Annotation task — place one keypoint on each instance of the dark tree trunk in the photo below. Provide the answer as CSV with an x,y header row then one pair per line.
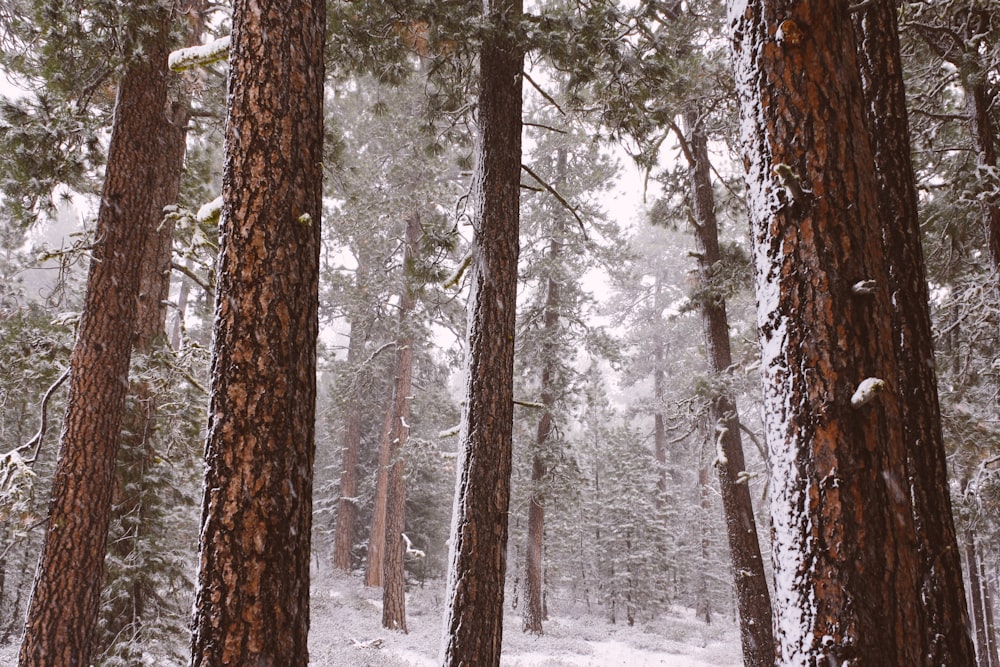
x,y
393,572
847,569
252,603
347,508
474,616
64,603
534,612
940,566
750,583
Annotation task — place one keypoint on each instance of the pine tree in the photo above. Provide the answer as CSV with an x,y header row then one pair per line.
x,y
64,603
252,603
474,615
841,513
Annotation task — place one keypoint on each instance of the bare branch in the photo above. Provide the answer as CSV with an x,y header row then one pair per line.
x,y
562,200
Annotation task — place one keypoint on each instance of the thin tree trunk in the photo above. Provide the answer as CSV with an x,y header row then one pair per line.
x,y
753,599
976,595
940,567
847,569
347,508
988,625
393,572
474,615
703,601
531,620
252,601
64,602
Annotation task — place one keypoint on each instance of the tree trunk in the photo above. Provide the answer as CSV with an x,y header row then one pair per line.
x,y
977,105
990,628
703,600
847,570
393,572
753,599
531,620
976,595
252,602
474,616
940,568
347,507
376,539
64,603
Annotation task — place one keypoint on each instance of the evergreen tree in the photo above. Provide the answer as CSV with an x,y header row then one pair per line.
x,y
474,614
252,601
67,584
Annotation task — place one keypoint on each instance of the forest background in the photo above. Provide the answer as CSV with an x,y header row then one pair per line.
x,y
615,502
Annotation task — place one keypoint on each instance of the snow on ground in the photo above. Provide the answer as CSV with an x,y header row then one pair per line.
x,y
346,627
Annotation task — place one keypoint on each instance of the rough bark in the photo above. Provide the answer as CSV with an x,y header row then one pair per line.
x,y
752,597
474,616
940,567
988,625
64,602
393,572
347,508
376,540
252,602
847,570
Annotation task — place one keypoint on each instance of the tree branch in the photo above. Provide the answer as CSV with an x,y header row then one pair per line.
x,y
36,441
562,200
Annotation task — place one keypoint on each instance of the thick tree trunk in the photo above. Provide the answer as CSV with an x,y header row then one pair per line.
x,y
64,602
847,569
376,540
750,583
474,616
252,602
347,508
393,572
940,566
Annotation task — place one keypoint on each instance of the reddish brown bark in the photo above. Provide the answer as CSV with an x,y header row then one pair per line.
x,y
64,603
393,572
376,539
940,568
474,617
252,603
752,597
847,569
347,508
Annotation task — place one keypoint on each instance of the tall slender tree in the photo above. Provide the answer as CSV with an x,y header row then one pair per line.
x,y
252,605
393,573
847,569
752,597
64,603
474,617
940,567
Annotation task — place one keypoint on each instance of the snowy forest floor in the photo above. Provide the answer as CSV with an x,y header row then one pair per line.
x,y
346,623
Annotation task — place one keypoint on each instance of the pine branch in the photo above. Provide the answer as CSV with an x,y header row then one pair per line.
x,y
36,441
193,276
548,98
562,200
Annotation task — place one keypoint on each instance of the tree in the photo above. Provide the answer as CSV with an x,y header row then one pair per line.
x,y
64,603
393,575
846,567
474,615
940,568
252,604
753,599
